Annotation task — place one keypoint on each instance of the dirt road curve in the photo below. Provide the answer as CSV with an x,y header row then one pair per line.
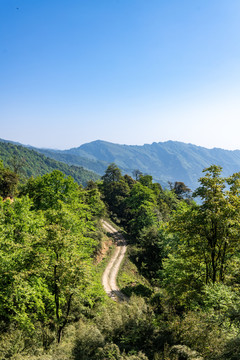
x,y
110,273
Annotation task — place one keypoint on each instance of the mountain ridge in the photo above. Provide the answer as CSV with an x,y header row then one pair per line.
x,y
165,161
34,163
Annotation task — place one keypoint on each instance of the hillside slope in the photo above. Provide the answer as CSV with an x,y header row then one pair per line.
x,y
32,163
69,158
165,161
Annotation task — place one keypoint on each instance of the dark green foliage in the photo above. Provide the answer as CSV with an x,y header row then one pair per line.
x,y
93,200
8,182
115,189
70,158
146,180
182,352
29,163
231,350
112,174
141,204
152,242
88,340
129,181
109,351
181,190
125,331
138,290
136,204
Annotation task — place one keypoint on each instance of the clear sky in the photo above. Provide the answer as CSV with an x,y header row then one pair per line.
x,y
125,71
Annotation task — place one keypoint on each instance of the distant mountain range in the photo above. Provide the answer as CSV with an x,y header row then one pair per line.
x,y
165,161
33,163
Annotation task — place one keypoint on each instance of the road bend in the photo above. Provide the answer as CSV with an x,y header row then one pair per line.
x,y
109,278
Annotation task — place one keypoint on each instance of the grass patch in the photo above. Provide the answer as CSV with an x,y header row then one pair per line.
x,y
131,282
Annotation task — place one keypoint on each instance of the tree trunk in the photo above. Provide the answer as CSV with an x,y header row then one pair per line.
x,y
60,329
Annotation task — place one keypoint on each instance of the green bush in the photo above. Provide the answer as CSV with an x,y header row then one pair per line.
x,y
88,340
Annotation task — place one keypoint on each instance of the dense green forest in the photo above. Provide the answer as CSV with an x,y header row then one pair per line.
x,y
181,274
28,162
70,158
164,161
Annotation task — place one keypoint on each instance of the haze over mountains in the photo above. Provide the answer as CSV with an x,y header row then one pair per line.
x,y
165,161
29,162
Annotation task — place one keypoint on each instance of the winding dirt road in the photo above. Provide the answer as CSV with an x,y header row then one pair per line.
x,y
111,271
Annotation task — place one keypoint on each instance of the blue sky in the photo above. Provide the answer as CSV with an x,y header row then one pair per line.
x,y
125,71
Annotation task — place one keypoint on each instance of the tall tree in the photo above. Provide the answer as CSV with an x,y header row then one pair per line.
x,y
181,190
8,182
46,251
116,189
46,191
67,253
142,208
213,228
112,174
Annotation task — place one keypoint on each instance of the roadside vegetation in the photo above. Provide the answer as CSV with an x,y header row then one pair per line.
x,y
181,274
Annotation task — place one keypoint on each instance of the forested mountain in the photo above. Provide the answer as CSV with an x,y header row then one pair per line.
x,y
74,159
29,162
165,161
180,273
